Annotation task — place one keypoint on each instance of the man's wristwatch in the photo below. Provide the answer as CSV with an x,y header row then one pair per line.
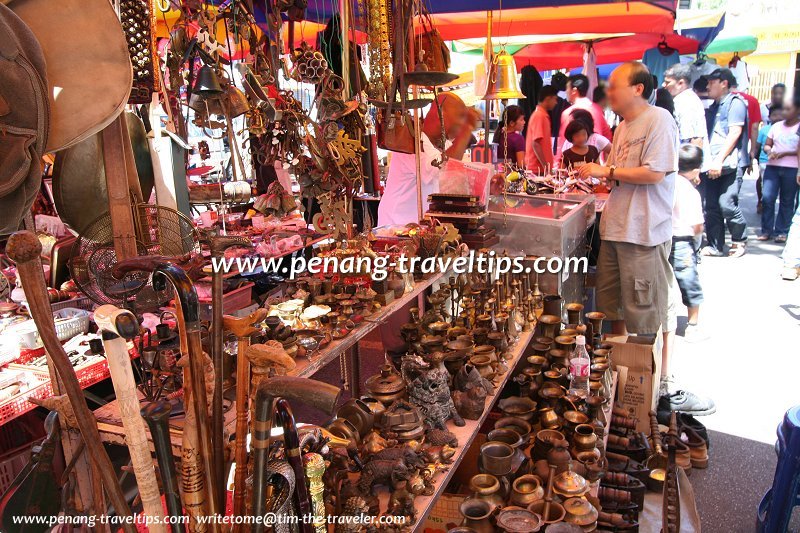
x,y
611,171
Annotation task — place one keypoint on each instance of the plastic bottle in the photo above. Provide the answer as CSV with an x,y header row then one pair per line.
x,y
579,365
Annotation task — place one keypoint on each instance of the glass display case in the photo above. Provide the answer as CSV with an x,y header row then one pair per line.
x,y
545,226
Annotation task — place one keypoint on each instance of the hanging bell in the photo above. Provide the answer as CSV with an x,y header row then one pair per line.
x,y
236,103
207,83
502,83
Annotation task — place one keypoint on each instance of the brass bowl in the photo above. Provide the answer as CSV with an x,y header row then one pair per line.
x,y
537,362
522,427
520,407
575,417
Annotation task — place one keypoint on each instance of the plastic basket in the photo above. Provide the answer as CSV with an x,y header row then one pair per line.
x,y
13,465
87,374
81,302
19,404
73,322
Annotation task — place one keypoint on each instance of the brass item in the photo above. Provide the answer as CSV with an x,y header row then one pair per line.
x,y
519,407
514,520
486,487
526,489
387,386
570,484
550,325
574,313
502,82
579,511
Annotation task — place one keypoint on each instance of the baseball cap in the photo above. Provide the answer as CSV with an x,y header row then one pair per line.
x,y
724,74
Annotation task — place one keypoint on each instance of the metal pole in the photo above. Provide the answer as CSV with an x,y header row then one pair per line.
x,y
488,55
417,121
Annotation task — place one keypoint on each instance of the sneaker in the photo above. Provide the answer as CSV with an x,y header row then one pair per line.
x,y
790,274
710,251
688,402
694,334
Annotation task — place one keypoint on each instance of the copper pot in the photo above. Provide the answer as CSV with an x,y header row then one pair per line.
x,y
550,325
554,514
484,365
477,515
519,407
540,349
522,427
537,362
574,313
566,343
480,335
549,419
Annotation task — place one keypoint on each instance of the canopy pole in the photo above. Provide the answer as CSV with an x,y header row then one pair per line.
x,y
488,55
417,122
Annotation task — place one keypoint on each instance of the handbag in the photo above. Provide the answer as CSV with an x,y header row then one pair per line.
x,y
396,129
430,48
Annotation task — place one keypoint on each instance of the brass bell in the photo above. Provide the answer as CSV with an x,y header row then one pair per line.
x,y
207,83
502,82
236,103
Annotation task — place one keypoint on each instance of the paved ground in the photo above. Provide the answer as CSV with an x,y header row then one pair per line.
x,y
750,367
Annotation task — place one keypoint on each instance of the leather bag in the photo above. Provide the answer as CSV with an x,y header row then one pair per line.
x,y
88,67
24,119
430,49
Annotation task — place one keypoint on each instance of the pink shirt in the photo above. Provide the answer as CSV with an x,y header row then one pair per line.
x,y
784,139
600,124
539,133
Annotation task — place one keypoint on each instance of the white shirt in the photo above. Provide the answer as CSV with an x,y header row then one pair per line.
x,y
642,214
687,211
595,139
691,118
399,202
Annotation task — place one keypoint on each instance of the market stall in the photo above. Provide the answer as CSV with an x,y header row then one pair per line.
x,y
192,270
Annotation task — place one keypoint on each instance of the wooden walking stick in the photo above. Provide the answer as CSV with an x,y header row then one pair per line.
x,y
272,397
189,329
218,246
157,417
242,329
24,249
116,326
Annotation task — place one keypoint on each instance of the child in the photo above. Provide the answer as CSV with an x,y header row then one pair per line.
x,y
581,152
687,226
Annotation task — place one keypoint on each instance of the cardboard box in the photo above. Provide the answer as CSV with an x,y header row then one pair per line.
x,y
445,514
638,363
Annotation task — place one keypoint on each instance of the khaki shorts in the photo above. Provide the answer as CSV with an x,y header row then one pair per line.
x,y
633,284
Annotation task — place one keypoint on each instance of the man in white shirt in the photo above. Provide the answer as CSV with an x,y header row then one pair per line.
x,y
689,111
399,201
633,270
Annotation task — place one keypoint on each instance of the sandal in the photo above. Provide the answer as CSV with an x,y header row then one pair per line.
x,y
737,249
763,237
780,239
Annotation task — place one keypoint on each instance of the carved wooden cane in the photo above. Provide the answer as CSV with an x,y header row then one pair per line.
x,y
117,325
272,397
157,417
218,246
242,328
189,329
24,248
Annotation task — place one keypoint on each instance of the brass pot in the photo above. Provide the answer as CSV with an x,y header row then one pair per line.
x,y
548,341
584,438
480,335
555,513
526,489
486,350
550,325
486,487
566,343
549,419
540,349
537,362
579,512
484,365
574,313
496,458
477,513
516,520
552,305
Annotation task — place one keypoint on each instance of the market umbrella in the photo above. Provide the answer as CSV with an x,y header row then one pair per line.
x,y
702,26
566,51
723,49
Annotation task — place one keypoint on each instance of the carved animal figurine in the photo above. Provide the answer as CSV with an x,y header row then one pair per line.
x,y
439,454
412,366
374,443
272,355
354,506
430,393
471,402
402,502
382,472
404,453
440,437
